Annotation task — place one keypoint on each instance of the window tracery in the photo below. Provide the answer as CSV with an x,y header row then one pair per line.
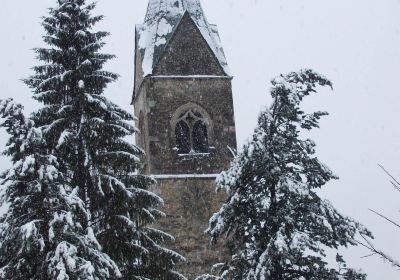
x,y
191,133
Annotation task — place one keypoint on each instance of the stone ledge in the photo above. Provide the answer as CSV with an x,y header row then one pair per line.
x,y
185,176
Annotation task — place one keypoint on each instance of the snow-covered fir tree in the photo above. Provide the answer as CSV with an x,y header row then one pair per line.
x,y
41,234
78,160
279,226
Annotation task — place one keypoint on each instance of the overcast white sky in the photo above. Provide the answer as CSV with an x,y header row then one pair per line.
x,y
356,43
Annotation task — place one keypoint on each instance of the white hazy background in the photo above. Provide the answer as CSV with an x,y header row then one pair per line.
x,y
354,43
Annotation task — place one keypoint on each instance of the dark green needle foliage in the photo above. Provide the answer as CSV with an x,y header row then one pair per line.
x,y
280,227
41,233
84,136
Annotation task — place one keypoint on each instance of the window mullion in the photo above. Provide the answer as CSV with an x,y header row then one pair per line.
x,y
191,138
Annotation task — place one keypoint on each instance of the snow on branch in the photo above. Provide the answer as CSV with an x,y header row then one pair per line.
x,y
368,244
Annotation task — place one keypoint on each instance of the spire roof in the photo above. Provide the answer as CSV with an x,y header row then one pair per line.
x,y
169,9
161,21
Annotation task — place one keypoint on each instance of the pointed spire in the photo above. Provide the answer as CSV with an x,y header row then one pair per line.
x,y
162,18
169,9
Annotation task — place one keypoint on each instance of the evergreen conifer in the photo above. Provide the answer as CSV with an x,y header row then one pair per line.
x,y
280,227
94,193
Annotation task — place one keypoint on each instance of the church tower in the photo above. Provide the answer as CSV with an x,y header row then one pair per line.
x,y
183,103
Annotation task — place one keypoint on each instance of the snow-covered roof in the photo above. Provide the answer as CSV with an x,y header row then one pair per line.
x,y
162,19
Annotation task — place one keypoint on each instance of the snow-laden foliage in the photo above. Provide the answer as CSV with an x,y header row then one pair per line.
x,y
41,237
278,224
16,125
86,214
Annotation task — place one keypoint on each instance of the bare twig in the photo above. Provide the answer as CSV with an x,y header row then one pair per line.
x,y
375,251
396,186
367,256
386,218
367,244
394,181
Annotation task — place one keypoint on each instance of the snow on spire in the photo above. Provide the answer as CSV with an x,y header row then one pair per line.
x,y
162,18
171,8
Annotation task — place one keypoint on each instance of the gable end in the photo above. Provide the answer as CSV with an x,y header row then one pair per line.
x,y
188,53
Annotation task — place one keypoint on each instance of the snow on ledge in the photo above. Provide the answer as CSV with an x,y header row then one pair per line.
x,y
185,176
190,77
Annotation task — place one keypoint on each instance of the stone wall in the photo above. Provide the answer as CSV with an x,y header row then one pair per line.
x,y
187,75
188,205
160,98
188,53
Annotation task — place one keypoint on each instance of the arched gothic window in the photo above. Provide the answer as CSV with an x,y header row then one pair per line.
x,y
191,133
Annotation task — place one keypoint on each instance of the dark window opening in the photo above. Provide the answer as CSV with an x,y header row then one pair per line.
x,y
141,135
182,132
191,133
200,137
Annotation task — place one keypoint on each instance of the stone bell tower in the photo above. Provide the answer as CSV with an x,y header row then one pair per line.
x,y
183,103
